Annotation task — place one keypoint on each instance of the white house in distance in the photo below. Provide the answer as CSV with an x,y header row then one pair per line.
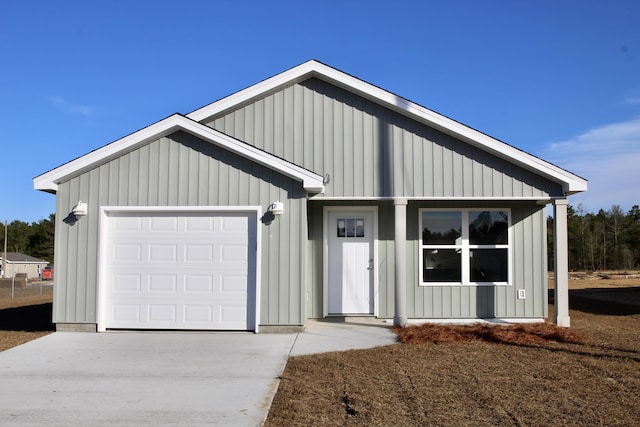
x,y
307,195
20,263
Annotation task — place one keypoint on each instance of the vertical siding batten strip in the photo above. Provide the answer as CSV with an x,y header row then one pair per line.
x,y
93,204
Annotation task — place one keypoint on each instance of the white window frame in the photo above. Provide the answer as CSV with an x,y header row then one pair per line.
x,y
465,247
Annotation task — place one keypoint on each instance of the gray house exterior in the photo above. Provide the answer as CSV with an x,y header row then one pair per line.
x,y
310,194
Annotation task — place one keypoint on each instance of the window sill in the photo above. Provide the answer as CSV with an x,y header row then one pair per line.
x,y
459,285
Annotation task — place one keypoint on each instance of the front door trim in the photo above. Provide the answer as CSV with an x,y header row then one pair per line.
x,y
325,252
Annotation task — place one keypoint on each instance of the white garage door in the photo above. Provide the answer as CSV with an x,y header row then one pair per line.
x,y
180,270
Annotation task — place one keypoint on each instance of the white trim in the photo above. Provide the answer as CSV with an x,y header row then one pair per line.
x,y
571,182
325,252
49,181
180,209
545,200
102,247
301,72
465,248
101,292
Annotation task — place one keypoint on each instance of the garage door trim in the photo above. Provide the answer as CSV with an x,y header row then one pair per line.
x,y
105,212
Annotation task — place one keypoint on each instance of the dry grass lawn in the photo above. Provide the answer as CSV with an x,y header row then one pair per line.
x,y
443,376
26,316
589,375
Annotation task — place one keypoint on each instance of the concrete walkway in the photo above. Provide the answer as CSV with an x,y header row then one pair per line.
x,y
160,378
341,334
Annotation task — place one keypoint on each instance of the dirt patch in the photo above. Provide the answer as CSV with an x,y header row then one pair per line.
x,y
32,294
534,378
26,316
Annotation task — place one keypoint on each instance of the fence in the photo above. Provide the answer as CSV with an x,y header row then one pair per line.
x,y
15,290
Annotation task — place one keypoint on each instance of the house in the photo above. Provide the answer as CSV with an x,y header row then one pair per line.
x,y
17,263
309,194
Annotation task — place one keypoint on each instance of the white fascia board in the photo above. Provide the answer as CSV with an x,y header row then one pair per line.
x,y
538,199
299,73
49,180
571,183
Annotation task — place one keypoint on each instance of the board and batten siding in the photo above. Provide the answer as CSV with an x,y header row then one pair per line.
x,y
372,151
528,263
181,170
528,260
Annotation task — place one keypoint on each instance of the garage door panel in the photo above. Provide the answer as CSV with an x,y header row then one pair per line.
x,y
162,313
198,313
163,283
199,225
233,253
233,284
231,224
159,224
163,253
179,271
127,252
198,253
166,316
126,224
232,314
126,283
231,281
125,313
198,283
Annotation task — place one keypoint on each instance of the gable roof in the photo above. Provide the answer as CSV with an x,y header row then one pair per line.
x,y
49,181
570,182
311,182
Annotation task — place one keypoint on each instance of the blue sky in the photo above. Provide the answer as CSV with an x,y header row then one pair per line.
x,y
558,79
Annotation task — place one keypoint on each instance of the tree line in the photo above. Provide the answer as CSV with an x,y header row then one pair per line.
x,y
35,239
607,240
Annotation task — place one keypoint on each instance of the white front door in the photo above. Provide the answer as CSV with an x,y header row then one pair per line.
x,y
350,240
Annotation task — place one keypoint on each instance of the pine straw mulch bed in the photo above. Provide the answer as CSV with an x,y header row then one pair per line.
x,y
474,376
521,334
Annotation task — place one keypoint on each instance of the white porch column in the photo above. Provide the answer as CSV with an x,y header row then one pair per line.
x,y
400,263
561,263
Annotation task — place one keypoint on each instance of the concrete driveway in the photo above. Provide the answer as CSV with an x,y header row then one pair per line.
x,y
144,378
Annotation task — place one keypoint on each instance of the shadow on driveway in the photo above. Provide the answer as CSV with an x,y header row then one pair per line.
x,y
32,318
607,301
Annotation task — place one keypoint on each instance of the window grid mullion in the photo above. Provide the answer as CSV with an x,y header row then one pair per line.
x,y
465,262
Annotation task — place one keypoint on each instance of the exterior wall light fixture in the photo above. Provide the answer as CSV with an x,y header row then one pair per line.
x,y
276,208
80,209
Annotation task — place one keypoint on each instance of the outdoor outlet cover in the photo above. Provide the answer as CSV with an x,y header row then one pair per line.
x,y
521,294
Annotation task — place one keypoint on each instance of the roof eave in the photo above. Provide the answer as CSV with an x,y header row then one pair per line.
x,y
571,183
49,181
578,185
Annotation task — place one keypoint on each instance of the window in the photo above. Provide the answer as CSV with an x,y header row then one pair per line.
x,y
465,247
350,227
